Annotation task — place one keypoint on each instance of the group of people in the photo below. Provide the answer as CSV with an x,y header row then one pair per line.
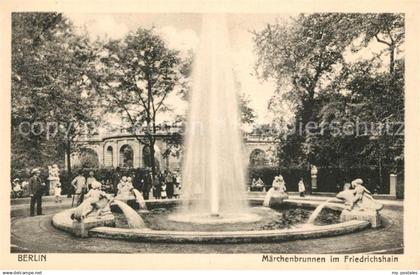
x,y
166,185
35,188
258,185
19,188
162,186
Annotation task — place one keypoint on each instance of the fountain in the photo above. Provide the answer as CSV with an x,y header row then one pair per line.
x,y
213,172
214,206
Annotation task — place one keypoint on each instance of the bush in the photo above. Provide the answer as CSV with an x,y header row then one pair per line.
x,y
333,179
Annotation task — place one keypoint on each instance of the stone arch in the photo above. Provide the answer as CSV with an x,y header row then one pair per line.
x,y
126,156
258,157
109,156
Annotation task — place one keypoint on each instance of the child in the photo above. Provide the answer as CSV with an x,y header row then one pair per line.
x,y
17,189
176,190
301,188
57,192
163,194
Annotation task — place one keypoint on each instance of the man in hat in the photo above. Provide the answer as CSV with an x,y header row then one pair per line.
x,y
36,190
116,178
148,182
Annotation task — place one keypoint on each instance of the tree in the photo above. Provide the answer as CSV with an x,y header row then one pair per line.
x,y
300,56
387,29
137,75
50,88
247,113
306,58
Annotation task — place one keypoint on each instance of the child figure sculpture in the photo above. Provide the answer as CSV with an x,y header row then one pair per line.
x,y
359,204
358,198
277,192
95,199
127,192
124,189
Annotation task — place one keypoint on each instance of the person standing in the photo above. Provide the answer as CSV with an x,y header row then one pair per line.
x,y
157,186
163,191
116,180
36,190
176,190
57,192
147,185
301,188
79,185
90,180
137,181
169,181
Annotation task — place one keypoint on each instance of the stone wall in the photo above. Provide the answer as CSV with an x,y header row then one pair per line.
x,y
110,150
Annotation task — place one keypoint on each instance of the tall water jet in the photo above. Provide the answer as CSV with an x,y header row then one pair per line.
x,y
213,170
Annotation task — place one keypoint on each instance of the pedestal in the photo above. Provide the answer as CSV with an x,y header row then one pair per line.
x,y
393,185
314,183
81,229
373,217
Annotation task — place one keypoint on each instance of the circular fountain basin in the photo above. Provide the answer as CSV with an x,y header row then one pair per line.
x,y
162,227
225,218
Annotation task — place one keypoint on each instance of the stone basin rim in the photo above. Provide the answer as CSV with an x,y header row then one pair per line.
x,y
62,221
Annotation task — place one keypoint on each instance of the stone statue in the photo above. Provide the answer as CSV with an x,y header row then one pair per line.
x,y
96,202
124,189
314,171
314,175
95,211
359,204
126,192
358,198
277,192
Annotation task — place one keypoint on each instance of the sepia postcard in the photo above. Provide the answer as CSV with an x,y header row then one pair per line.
x,y
210,134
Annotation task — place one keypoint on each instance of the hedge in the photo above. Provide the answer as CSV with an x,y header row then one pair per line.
x,y
330,179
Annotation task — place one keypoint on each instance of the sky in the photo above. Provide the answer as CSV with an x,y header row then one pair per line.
x,y
181,31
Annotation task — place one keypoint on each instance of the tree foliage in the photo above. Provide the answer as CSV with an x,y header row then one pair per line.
x,y
51,101
136,76
308,58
